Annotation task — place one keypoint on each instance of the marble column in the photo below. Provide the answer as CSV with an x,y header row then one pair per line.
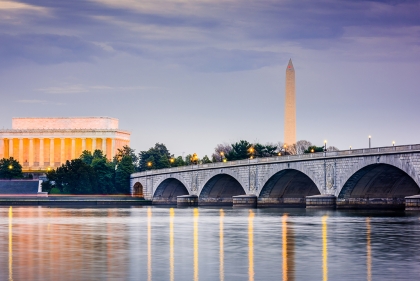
x,y
21,151
31,152
104,145
11,148
2,148
83,144
93,144
52,153
113,148
41,153
63,150
73,148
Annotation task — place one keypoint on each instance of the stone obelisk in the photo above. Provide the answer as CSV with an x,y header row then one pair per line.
x,y
290,106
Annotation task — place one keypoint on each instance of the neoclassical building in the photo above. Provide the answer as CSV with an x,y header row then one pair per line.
x,y
42,143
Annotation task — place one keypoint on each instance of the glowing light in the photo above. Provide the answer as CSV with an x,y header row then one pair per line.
x,y
10,167
251,245
195,235
221,249
312,150
172,160
369,136
224,160
284,240
149,244
369,251
149,164
324,249
171,244
10,244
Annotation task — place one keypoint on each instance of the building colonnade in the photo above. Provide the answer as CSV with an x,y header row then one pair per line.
x,y
41,153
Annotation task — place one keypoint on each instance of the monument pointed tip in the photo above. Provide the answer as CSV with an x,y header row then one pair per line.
x,y
290,65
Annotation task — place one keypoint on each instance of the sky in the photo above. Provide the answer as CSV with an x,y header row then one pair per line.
x,y
193,74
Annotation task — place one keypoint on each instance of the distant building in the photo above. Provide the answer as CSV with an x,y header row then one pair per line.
x,y
290,106
42,143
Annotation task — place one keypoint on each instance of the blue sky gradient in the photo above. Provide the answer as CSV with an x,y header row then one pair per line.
x,y
192,74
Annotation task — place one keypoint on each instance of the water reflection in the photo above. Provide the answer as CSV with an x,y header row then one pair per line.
x,y
221,250
368,250
171,244
251,245
288,250
149,244
10,244
324,249
195,237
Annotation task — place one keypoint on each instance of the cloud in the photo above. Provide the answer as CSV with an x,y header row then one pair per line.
x,y
46,48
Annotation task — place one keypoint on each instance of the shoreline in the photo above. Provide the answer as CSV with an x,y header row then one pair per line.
x,y
73,201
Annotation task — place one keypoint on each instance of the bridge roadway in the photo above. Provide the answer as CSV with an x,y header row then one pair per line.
x,y
361,178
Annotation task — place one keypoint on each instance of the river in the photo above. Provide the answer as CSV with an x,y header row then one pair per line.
x,y
150,243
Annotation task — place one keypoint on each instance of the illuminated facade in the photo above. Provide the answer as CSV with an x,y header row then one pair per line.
x,y
42,143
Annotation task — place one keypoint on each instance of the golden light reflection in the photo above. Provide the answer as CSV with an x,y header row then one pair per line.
x,y
251,245
149,244
369,251
171,243
324,249
195,244
10,244
221,251
284,240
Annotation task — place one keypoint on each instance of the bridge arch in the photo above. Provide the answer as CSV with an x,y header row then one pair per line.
x,y
219,189
379,180
287,187
138,190
167,190
391,160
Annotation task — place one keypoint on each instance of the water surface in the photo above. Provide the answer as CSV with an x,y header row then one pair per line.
x,y
149,243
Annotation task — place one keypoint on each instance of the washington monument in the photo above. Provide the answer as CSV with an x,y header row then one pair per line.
x,y
290,106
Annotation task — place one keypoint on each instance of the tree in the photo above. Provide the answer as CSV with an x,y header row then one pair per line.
x,y
126,151
332,148
122,175
240,150
178,162
74,177
86,157
205,160
314,148
105,175
224,148
158,156
10,169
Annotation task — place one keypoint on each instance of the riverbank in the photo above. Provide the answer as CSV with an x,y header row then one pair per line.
x,y
68,200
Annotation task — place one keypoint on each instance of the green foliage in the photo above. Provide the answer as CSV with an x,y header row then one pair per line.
x,y
105,173
74,177
178,162
240,150
313,148
126,151
122,175
156,157
86,157
55,190
10,169
205,160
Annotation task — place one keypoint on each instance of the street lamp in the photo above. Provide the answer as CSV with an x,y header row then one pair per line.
x,y
10,167
325,145
251,150
393,143
312,150
149,164
172,160
350,147
369,140
222,154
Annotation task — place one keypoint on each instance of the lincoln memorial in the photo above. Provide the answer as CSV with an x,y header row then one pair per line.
x,y
42,143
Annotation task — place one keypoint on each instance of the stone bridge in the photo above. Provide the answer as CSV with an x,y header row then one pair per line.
x,y
374,177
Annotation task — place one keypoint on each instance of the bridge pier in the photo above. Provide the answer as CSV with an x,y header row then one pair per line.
x,y
321,202
282,202
412,203
187,201
247,201
370,203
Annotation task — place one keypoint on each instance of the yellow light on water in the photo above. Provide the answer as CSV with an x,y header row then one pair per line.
x,y
195,236
284,240
369,251
10,244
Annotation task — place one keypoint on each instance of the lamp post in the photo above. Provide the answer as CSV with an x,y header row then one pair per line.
x,y
393,143
350,147
325,145
251,150
221,156
149,164
369,140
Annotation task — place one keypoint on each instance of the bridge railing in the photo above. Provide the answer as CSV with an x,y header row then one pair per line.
x,y
286,158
